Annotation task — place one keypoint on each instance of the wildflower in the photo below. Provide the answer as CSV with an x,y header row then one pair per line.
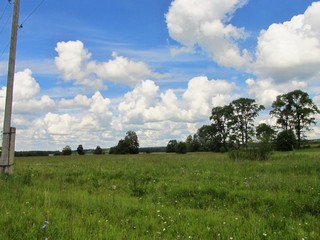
x,y
264,234
45,224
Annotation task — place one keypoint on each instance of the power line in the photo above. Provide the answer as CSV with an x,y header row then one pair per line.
x,y
4,50
4,11
31,13
6,22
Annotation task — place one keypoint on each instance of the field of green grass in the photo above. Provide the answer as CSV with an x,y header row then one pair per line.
x,y
162,196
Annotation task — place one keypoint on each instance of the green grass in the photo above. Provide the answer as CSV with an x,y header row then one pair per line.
x,y
162,196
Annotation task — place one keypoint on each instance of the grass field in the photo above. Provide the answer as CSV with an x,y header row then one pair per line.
x,y
162,196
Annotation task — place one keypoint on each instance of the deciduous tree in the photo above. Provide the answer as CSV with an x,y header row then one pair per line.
x,y
244,112
66,150
80,150
128,145
295,111
171,146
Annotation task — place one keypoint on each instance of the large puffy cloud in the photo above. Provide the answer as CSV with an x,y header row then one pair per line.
x,y
43,122
205,23
159,116
291,50
93,114
81,120
145,104
75,63
203,94
25,95
287,57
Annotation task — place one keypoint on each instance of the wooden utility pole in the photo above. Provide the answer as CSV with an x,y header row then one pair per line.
x,y
8,142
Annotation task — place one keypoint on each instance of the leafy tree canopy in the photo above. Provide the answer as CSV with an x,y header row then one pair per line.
x,y
295,111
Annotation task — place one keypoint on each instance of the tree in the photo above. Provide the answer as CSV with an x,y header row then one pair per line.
x,y
131,139
80,150
181,147
66,150
265,132
128,145
209,138
98,150
171,146
244,112
193,144
295,111
221,118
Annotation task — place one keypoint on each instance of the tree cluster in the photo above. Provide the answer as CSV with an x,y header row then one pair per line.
x,y
128,145
233,126
80,150
176,147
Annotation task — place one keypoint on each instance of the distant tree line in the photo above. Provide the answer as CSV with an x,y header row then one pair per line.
x,y
35,153
232,126
81,151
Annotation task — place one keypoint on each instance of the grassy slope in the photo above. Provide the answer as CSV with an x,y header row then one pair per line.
x,y
162,196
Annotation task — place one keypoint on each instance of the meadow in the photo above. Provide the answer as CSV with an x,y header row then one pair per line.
x,y
162,196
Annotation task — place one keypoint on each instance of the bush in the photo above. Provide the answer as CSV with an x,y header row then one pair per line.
x,y
181,147
254,151
285,141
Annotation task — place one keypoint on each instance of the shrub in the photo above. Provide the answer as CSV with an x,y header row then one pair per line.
x,y
254,151
285,141
181,147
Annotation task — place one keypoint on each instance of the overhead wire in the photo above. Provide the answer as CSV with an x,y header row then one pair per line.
x,y
20,25
4,11
5,25
31,13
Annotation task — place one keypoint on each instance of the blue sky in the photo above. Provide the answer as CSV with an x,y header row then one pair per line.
x,y
88,71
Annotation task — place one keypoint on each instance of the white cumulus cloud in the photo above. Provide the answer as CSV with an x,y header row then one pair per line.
x,y
75,63
26,97
291,50
146,104
204,23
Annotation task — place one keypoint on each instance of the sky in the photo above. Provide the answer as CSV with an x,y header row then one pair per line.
x,y
89,71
